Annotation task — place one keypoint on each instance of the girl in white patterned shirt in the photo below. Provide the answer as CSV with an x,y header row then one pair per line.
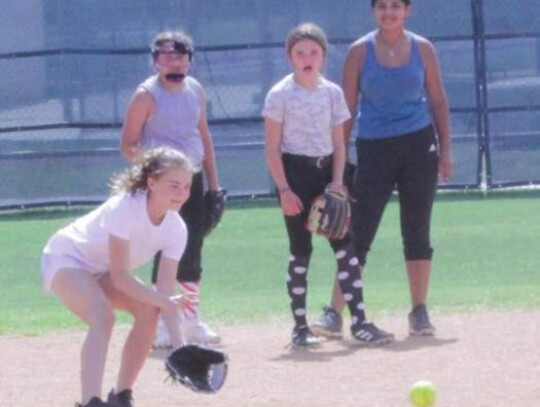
x,y
305,151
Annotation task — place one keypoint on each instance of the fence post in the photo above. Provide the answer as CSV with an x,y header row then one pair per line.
x,y
484,160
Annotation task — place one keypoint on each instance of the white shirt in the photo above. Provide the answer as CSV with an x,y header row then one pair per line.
x,y
308,115
124,216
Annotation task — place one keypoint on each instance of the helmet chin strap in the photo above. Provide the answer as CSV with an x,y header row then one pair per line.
x,y
175,77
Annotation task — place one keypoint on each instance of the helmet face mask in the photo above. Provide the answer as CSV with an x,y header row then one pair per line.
x,y
174,64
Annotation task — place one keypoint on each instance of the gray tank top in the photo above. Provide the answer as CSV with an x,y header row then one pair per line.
x,y
175,120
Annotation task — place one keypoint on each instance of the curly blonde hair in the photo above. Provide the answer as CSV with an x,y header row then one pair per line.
x,y
152,164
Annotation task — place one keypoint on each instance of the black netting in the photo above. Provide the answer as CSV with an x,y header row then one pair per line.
x,y
508,18
70,67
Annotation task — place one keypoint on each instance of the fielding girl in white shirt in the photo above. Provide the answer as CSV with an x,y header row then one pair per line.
x,y
88,266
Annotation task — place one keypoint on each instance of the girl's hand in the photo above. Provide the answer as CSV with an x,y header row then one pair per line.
x,y
173,302
291,205
336,186
189,298
446,167
170,304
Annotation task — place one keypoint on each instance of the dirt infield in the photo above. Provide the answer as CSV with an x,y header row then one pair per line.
x,y
476,360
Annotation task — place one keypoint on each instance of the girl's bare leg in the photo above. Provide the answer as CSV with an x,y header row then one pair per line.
x,y
81,293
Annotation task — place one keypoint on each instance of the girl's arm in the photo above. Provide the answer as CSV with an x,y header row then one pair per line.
x,y
125,282
354,62
440,112
166,281
139,109
209,161
339,155
290,203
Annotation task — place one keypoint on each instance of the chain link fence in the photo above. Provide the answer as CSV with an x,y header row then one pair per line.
x,y
70,67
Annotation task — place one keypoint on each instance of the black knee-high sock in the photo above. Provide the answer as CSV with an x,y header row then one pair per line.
x,y
350,282
297,287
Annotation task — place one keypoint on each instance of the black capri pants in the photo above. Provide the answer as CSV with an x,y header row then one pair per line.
x,y
307,177
410,164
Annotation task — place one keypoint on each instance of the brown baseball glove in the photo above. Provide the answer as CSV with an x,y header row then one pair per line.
x,y
330,214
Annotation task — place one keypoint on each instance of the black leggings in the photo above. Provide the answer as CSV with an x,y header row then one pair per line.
x,y
410,164
308,178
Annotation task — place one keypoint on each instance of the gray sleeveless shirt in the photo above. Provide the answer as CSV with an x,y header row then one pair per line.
x,y
175,122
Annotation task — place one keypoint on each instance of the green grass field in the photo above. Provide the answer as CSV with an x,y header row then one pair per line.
x,y
486,257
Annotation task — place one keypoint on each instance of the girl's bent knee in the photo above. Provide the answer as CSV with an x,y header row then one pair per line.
x,y
104,320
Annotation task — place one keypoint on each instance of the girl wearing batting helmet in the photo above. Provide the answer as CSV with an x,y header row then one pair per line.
x,y
169,109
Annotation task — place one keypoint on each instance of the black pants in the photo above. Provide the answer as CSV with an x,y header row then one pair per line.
x,y
308,178
192,212
410,164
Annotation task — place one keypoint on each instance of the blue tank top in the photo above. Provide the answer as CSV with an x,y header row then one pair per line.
x,y
392,99
175,122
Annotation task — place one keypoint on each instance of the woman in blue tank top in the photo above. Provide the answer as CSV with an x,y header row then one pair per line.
x,y
392,83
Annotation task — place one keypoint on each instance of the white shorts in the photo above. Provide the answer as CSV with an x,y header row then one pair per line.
x,y
52,263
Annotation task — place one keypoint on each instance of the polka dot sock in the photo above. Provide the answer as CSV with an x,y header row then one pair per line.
x,y
350,282
297,287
